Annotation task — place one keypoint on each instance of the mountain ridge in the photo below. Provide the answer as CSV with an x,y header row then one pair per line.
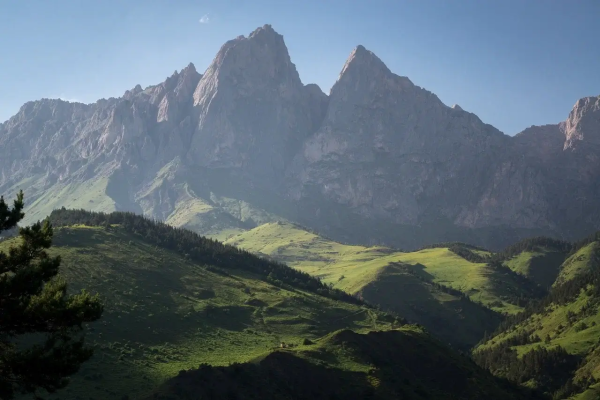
x,y
380,151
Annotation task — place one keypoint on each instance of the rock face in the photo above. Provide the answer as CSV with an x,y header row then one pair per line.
x,y
379,151
253,111
387,148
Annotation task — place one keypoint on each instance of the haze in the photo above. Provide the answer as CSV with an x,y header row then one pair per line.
x,y
513,63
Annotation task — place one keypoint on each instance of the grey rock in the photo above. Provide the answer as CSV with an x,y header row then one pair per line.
x,y
378,150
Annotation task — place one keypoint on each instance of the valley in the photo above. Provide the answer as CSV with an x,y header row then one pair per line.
x,y
234,232
168,310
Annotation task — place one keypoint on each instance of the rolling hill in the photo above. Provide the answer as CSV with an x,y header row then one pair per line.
x,y
172,308
561,329
351,267
458,299
397,364
541,264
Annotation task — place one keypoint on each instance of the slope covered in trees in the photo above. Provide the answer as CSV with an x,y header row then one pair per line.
x,y
211,285
200,249
553,344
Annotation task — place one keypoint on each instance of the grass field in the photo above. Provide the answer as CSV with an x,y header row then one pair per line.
x,y
351,268
90,195
578,263
555,324
164,313
593,393
371,272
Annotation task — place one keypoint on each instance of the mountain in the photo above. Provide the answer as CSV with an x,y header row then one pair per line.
x,y
377,161
396,364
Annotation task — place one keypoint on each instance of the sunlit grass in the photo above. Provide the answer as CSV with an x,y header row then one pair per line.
x,y
165,313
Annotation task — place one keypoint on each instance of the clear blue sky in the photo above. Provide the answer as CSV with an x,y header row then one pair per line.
x,y
515,63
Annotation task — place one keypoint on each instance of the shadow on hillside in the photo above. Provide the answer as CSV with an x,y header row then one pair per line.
x,y
544,269
412,295
403,365
334,219
418,269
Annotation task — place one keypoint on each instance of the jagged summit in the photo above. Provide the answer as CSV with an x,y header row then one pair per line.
x,y
363,59
190,68
264,30
583,123
262,53
378,147
253,96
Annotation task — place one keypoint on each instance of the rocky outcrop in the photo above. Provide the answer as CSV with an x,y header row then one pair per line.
x,y
254,111
583,124
388,148
379,148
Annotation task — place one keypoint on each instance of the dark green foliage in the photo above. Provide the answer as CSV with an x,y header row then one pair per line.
x,y
446,289
563,294
404,364
531,244
41,344
534,291
551,369
466,253
202,250
594,237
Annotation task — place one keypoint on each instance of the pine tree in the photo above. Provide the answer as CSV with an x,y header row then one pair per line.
x,y
41,326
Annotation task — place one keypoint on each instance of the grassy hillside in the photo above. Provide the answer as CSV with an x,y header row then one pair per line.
x,y
351,268
566,325
447,313
397,364
91,195
434,286
166,312
541,264
578,263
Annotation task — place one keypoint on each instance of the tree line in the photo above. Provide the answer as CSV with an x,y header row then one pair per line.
x,y
551,369
202,250
561,295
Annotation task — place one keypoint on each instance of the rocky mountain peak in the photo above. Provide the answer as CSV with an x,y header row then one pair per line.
x,y
365,75
583,123
252,95
266,33
362,60
190,69
129,94
378,147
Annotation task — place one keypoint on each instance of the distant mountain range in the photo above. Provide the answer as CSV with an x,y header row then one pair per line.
x,y
377,161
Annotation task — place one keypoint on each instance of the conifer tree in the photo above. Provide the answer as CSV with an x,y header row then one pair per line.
x,y
41,326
